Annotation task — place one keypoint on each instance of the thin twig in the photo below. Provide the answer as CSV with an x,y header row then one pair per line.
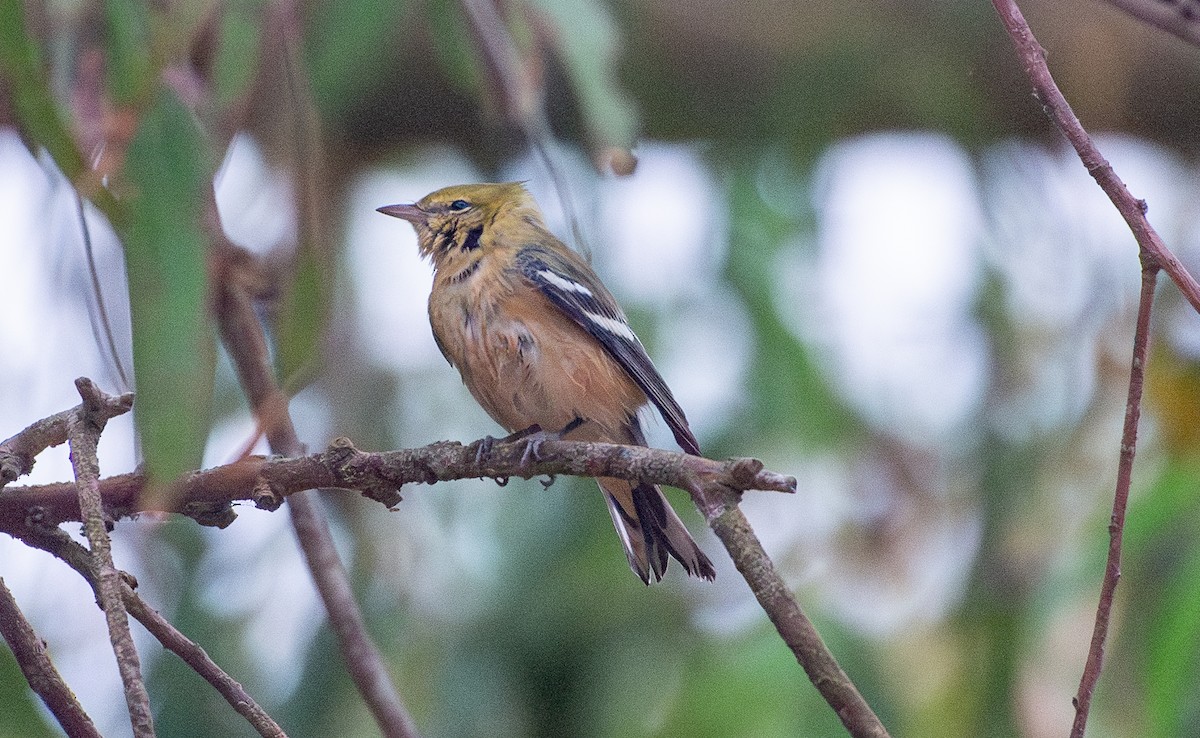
x,y
520,96
108,342
1116,526
83,432
245,341
58,543
17,453
522,99
1153,255
797,631
39,671
1133,210
1179,17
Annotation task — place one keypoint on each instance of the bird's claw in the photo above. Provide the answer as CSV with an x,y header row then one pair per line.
x,y
533,449
484,450
535,439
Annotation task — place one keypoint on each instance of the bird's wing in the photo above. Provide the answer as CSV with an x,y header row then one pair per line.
x,y
573,289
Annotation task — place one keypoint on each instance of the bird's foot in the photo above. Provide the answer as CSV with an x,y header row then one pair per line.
x,y
533,436
483,451
534,441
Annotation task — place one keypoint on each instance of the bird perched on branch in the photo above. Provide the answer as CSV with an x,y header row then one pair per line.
x,y
539,341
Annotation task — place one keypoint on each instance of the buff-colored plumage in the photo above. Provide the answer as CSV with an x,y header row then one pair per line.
x,y
540,341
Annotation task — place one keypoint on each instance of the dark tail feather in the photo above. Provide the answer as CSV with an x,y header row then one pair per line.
x,y
650,531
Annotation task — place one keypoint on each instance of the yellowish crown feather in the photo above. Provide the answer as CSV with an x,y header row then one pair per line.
x,y
483,196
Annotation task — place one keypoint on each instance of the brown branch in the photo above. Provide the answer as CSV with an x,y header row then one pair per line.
x,y
39,671
1153,255
17,453
61,545
1133,210
1116,526
715,485
246,343
266,482
83,432
1179,17
797,631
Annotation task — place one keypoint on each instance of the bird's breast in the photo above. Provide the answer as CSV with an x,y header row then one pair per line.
x,y
525,362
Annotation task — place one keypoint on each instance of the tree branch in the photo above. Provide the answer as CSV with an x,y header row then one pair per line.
x,y
61,545
1153,255
716,486
17,453
797,631
267,482
1116,526
246,343
83,431
39,671
1178,17
1133,210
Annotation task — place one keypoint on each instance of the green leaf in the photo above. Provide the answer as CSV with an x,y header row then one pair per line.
x,y
357,41
128,62
39,115
587,41
304,313
21,715
238,50
167,179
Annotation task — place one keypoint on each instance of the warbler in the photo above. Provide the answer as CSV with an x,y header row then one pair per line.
x,y
539,341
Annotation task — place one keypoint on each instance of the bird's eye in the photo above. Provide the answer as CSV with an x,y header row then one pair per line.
x,y
459,205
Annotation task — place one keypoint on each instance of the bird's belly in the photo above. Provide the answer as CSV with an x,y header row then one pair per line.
x,y
547,372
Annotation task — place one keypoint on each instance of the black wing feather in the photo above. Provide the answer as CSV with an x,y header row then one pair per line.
x,y
541,267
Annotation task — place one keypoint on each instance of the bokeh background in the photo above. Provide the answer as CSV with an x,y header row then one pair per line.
x,y
856,250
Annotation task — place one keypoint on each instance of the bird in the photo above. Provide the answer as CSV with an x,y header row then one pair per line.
x,y
541,343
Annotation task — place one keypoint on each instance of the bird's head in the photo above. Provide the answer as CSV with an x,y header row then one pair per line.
x,y
460,219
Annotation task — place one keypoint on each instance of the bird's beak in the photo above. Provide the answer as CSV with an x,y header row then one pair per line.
x,y
411,213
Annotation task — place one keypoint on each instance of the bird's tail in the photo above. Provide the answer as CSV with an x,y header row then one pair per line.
x,y
650,530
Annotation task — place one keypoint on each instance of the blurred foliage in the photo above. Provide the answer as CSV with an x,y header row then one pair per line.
x,y
21,716
558,639
167,173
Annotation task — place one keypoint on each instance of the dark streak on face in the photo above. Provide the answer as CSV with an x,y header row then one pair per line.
x,y
471,242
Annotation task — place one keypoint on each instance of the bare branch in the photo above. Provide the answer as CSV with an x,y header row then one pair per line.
x,y
1133,210
83,431
1116,527
379,476
58,543
797,631
1178,17
716,486
1153,255
17,453
243,337
39,671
